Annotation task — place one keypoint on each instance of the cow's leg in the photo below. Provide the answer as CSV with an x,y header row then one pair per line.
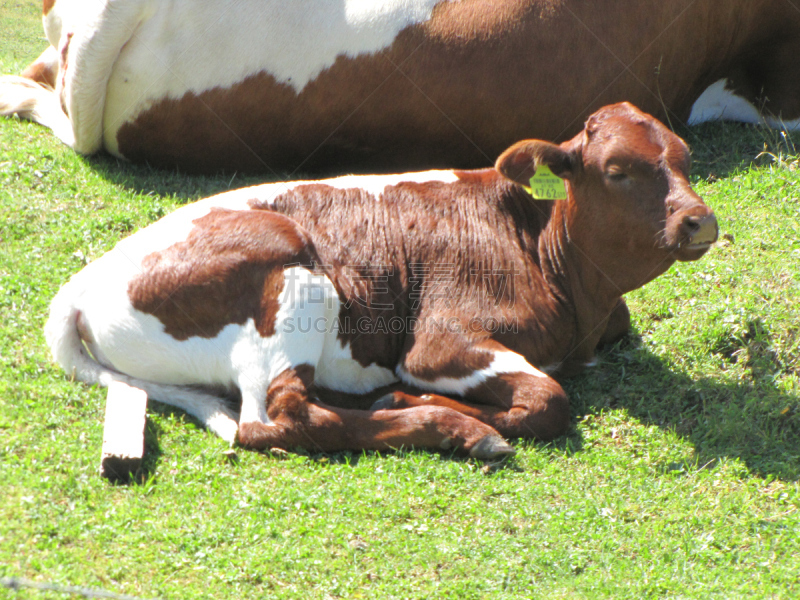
x,y
508,394
618,324
89,49
294,420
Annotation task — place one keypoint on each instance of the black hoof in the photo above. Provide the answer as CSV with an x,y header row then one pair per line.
x,y
491,447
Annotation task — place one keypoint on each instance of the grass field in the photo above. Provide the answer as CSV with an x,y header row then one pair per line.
x,y
679,479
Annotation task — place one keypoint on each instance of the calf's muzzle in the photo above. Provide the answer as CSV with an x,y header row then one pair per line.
x,y
696,232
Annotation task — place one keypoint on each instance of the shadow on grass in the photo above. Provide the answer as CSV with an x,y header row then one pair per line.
x,y
148,180
152,451
718,149
750,420
722,148
152,447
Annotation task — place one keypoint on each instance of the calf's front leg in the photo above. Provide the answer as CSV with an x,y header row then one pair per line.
x,y
531,409
618,324
509,394
294,420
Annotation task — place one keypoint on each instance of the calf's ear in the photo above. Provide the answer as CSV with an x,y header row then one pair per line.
x,y
521,160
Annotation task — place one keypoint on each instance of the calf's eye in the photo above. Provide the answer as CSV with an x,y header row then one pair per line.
x,y
617,176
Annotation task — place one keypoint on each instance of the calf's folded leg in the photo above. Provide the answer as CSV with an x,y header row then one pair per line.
x,y
517,406
295,421
508,393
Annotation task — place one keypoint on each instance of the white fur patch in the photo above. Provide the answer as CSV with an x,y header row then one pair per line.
x,y
502,363
135,343
337,370
719,103
219,46
375,184
265,194
312,306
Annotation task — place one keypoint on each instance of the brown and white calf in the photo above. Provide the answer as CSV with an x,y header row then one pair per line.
x,y
454,295
385,84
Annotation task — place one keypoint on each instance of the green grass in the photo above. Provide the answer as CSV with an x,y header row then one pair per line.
x,y
679,479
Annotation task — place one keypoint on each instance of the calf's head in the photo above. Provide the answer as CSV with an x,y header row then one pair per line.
x,y
630,209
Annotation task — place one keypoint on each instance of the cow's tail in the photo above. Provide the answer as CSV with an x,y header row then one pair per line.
x,y
31,100
62,333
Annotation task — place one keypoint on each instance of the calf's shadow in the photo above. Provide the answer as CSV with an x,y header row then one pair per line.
x,y
750,420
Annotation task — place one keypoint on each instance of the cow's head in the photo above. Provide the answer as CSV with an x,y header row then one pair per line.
x,y
630,208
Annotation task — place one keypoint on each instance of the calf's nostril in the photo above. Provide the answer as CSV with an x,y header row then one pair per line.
x,y
691,225
699,229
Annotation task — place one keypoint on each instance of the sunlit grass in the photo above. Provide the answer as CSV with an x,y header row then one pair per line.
x,y
679,479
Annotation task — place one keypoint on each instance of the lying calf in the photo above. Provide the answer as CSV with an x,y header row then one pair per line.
x,y
457,284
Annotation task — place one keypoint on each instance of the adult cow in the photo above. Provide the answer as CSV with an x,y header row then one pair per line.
x,y
455,283
270,85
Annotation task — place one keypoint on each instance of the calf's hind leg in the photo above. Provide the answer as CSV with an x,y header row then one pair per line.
x,y
296,421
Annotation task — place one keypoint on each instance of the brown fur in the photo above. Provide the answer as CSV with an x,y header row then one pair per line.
x,y
477,266
298,422
462,87
442,250
571,261
514,404
228,270
42,73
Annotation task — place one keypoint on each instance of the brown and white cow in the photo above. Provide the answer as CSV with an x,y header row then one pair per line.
x,y
270,85
454,294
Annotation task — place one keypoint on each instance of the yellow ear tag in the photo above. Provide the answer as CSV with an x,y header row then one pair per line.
x,y
546,186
